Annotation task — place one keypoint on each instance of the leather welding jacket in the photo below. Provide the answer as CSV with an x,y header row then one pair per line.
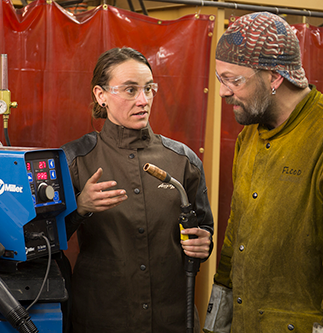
x,y
273,247
129,274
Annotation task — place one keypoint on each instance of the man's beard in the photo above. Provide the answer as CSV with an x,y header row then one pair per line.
x,y
258,110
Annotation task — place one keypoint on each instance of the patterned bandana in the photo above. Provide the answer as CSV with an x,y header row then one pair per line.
x,y
263,41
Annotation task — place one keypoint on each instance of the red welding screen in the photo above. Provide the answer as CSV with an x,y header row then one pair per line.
x,y
51,56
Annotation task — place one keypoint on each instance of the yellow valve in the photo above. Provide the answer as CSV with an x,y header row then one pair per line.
x,y
5,102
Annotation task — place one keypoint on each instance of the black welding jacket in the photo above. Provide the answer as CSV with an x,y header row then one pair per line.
x,y
129,275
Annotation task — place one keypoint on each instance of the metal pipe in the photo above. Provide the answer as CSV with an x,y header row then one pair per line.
x,y
143,8
252,8
4,72
132,8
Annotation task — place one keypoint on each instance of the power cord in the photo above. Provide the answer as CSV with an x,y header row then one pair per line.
x,y
38,236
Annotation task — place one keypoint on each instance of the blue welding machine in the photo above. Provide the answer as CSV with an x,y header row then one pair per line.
x,y
36,194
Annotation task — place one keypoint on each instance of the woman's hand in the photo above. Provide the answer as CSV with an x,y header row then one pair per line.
x,y
95,197
197,247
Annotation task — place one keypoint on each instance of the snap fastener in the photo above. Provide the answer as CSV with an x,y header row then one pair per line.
x,y
142,267
145,306
131,156
255,195
241,248
141,230
290,327
267,145
239,300
136,190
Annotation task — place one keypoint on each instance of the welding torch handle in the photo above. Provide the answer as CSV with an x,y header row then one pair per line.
x,y
14,312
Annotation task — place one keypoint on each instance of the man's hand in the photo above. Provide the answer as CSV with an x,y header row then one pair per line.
x,y
95,197
198,247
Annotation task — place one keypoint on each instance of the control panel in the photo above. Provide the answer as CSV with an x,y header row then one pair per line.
x,y
44,176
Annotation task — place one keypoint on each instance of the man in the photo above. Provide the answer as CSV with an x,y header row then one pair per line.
x,y
270,276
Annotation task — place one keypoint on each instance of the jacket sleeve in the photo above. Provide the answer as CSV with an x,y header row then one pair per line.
x,y
223,272
222,275
203,210
202,205
74,219
194,183
220,308
79,147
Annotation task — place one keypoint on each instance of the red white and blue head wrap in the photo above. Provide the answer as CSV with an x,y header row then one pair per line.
x,y
263,41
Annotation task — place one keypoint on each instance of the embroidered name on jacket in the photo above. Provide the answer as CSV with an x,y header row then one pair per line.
x,y
291,174
166,186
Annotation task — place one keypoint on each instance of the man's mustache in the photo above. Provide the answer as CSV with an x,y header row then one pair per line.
x,y
231,100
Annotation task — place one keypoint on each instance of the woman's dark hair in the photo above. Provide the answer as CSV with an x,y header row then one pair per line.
x,y
102,72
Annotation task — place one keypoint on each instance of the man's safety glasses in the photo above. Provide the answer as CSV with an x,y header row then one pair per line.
x,y
234,83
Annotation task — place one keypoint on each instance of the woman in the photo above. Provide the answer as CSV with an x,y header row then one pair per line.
x,y
129,274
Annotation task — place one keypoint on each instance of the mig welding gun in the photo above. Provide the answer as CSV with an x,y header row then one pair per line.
x,y
187,219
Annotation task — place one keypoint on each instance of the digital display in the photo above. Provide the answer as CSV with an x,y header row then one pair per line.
x,y
42,165
28,166
41,175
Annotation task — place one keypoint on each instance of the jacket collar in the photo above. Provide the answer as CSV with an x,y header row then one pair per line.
x,y
126,138
300,112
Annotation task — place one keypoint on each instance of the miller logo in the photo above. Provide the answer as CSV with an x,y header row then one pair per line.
x,y
9,187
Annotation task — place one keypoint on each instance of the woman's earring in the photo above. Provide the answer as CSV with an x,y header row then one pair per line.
x,y
273,91
103,105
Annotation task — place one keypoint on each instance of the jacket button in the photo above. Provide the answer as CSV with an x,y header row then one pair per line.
x,y
131,156
141,230
241,248
145,306
239,300
142,267
267,145
136,190
255,195
290,327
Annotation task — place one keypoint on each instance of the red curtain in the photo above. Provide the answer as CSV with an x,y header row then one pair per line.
x,y
51,56
311,43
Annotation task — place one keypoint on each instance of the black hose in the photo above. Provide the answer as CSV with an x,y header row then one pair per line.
x,y
6,135
190,290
